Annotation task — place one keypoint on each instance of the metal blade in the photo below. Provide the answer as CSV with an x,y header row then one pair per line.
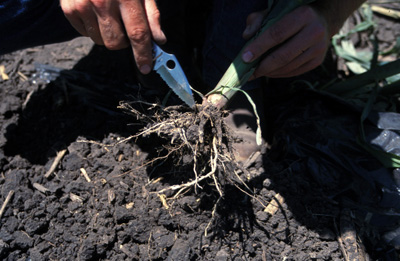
x,y
178,88
168,67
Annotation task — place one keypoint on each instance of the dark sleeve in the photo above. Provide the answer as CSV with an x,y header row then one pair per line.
x,y
28,23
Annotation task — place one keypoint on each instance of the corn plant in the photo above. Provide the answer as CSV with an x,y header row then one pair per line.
x,y
239,72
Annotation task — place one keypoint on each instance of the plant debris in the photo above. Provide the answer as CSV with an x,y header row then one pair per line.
x,y
198,142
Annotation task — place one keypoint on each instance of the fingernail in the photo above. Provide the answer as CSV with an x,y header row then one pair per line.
x,y
247,56
145,69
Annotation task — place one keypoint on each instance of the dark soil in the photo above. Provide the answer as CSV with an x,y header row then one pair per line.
x,y
117,214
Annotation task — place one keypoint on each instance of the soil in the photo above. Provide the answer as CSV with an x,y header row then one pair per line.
x,y
115,212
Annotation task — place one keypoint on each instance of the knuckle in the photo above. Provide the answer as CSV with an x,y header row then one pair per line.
x,y
81,6
139,36
115,44
90,29
102,7
282,58
156,14
67,9
276,33
68,12
105,23
98,3
113,38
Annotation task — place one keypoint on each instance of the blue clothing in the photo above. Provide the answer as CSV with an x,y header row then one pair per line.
x,y
28,23
224,37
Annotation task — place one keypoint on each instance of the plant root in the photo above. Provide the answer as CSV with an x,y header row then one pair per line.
x,y
198,142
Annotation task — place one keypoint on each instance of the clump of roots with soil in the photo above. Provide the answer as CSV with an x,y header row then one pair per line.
x,y
198,142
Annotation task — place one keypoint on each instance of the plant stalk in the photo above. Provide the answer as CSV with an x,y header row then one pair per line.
x,y
239,72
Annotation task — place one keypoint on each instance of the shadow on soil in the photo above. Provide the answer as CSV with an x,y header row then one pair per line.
x,y
80,103
58,114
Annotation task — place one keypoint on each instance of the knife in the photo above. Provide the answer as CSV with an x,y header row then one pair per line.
x,y
168,67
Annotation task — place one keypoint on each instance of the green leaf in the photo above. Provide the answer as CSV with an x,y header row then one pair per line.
x,y
356,67
237,73
389,160
360,81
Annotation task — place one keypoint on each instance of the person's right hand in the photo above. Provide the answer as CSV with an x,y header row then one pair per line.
x,y
300,38
118,24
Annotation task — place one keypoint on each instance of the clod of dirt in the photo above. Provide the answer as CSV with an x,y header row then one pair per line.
x,y
198,142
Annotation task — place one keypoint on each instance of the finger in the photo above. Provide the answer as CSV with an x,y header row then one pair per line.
x,y
138,32
81,17
81,11
307,44
72,16
285,28
254,21
293,65
110,25
153,17
92,27
308,66
77,24
298,62
315,54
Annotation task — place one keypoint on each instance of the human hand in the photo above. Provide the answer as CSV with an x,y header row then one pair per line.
x,y
118,24
303,36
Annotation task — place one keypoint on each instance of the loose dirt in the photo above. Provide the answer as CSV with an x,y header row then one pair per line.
x,y
100,203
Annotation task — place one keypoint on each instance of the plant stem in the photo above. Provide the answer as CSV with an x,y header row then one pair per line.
x,y
239,72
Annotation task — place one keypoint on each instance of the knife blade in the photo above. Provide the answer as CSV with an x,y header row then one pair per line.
x,y
168,67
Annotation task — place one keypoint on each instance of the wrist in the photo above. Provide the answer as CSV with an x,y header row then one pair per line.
x,y
335,12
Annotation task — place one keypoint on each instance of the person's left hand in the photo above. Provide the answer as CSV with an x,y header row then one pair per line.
x,y
303,39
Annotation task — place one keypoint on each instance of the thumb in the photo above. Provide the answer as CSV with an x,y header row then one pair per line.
x,y
254,22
